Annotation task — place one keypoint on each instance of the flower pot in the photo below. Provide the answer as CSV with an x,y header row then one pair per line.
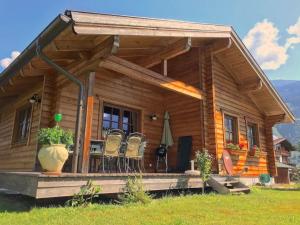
x,y
236,152
53,157
252,152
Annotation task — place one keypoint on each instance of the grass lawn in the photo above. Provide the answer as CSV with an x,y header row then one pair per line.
x,y
260,207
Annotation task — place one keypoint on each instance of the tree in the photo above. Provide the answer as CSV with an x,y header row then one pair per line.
x,y
297,147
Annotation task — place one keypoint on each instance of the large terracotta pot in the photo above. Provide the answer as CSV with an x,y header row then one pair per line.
x,y
53,157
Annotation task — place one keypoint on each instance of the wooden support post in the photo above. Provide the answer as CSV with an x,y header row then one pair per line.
x,y
270,121
165,67
210,109
88,123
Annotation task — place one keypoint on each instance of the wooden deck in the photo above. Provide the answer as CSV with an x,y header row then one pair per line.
x,y
39,185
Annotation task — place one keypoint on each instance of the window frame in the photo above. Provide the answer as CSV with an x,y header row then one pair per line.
x,y
120,122
257,135
236,127
15,138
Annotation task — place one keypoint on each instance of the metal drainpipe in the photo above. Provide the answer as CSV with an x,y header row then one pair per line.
x,y
224,48
79,119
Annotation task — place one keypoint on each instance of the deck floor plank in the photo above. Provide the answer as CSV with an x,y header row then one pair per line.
x,y
39,185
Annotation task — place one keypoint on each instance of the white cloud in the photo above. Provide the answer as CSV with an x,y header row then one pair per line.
x,y
295,31
262,41
6,61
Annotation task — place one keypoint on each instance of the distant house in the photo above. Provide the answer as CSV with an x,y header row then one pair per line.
x,y
283,149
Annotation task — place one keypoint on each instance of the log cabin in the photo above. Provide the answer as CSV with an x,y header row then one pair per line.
x,y
84,65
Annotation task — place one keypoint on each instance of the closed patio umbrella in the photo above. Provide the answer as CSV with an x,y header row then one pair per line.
x,y
167,139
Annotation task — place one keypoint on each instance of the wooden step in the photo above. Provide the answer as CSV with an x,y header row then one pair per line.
x,y
245,190
227,185
229,182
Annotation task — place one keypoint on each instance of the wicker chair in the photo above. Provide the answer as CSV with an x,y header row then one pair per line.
x,y
112,145
135,148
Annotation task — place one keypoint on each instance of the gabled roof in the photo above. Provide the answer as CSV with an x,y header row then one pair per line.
x,y
84,26
278,141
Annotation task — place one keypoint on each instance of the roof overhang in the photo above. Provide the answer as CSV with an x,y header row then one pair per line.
x,y
88,28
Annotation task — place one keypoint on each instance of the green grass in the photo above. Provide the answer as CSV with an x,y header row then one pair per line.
x,y
260,207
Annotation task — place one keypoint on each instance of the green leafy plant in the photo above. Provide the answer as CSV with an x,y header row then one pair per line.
x,y
134,192
204,163
232,146
85,196
55,135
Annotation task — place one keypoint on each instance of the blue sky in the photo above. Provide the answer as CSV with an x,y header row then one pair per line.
x,y
274,37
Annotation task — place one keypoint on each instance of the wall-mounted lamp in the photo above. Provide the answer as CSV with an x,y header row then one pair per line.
x,y
34,99
153,117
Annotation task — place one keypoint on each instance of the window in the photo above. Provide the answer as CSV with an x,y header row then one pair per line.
x,y
231,129
22,125
116,117
252,134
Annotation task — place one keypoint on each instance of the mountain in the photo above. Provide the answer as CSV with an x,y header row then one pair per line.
x,y
289,90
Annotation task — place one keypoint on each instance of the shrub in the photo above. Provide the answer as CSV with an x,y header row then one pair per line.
x,y
55,135
134,192
204,163
85,196
295,175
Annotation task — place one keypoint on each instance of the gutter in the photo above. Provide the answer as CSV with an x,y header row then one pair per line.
x,y
79,115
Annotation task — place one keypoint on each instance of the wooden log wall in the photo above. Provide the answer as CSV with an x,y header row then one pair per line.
x,y
19,157
230,100
185,112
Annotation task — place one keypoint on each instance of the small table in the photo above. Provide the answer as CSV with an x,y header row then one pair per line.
x,y
96,150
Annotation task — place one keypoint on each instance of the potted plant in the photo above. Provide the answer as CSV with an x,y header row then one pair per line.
x,y
235,148
53,153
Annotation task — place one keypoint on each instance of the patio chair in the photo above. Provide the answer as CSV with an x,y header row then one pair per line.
x,y
135,148
112,145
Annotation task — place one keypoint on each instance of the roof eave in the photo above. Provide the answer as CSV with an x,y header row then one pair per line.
x,y
44,38
289,116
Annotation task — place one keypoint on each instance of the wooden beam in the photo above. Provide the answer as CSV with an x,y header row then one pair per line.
x,y
105,48
10,81
250,86
171,51
2,89
140,73
88,123
60,55
21,73
73,45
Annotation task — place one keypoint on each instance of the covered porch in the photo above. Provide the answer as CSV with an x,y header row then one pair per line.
x,y
118,101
